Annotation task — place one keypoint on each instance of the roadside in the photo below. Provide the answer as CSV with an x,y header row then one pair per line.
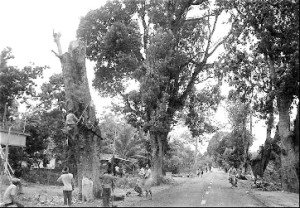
x,y
271,198
38,195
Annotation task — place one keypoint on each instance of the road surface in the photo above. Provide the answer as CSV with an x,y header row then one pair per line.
x,y
210,190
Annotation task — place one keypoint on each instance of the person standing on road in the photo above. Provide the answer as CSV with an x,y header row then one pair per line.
x,y
108,181
141,182
148,181
67,179
201,172
232,172
198,172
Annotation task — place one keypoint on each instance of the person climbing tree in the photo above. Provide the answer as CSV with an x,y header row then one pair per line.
x,y
71,120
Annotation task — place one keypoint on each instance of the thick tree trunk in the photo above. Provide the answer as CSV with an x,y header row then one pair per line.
x,y
157,155
196,152
290,180
78,98
246,147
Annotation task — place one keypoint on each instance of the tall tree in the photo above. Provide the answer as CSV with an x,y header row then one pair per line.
x,y
15,83
158,45
86,147
238,116
18,85
275,25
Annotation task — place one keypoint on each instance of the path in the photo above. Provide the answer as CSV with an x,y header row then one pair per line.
x,y
212,190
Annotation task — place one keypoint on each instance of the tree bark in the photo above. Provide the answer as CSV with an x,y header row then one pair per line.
x,y
289,179
157,155
289,165
78,99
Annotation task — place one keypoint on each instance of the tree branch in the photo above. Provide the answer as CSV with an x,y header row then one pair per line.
x,y
58,56
56,37
210,36
221,42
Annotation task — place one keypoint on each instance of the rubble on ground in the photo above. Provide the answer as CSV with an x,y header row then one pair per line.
x,y
266,186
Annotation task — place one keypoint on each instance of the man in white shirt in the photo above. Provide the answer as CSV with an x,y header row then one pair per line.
x,y
148,181
67,179
10,194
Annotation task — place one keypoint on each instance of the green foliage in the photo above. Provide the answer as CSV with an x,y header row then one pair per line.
x,y
200,107
113,42
15,83
166,54
179,157
268,31
129,143
228,148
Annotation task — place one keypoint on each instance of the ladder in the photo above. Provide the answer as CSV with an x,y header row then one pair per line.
x,y
7,168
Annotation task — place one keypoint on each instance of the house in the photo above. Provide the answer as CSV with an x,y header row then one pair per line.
x,y
107,160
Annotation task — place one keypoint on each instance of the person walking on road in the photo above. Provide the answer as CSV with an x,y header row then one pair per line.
x,y
148,181
232,172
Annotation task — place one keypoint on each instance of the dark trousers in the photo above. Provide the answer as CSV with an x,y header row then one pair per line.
x,y
106,196
67,197
9,204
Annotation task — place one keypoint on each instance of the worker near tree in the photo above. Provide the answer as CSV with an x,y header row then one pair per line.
x,y
9,197
108,185
71,120
68,180
148,181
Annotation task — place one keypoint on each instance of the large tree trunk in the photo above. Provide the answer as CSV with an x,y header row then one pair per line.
x,y
290,180
78,98
157,155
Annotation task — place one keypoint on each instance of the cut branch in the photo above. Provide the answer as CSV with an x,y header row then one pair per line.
x,y
56,37
56,54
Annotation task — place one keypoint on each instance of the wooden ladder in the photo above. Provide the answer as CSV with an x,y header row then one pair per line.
x,y
7,168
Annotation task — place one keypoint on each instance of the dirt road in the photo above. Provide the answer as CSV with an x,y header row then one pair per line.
x,y
211,190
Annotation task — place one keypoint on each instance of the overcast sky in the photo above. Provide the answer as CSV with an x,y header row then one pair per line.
x,y
27,26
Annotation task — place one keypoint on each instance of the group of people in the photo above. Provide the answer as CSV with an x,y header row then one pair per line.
x,y
144,182
119,171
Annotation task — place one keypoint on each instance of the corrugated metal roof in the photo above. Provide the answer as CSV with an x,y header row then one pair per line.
x,y
109,157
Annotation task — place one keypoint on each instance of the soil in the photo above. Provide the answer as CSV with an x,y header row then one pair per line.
x,y
212,189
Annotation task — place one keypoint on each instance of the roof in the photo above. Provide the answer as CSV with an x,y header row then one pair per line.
x,y
5,130
110,156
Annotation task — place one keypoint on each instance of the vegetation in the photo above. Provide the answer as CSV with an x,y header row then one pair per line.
x,y
166,47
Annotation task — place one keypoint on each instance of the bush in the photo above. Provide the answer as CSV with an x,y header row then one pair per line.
x,y
127,182
42,176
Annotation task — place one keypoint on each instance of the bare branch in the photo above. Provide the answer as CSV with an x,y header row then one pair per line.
x,y
221,42
203,80
210,36
199,18
58,56
56,37
125,98
198,2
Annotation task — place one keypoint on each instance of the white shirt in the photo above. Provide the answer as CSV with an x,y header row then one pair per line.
x,y
71,119
10,192
66,179
148,173
142,172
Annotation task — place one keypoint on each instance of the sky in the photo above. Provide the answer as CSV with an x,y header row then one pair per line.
x,y
27,27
